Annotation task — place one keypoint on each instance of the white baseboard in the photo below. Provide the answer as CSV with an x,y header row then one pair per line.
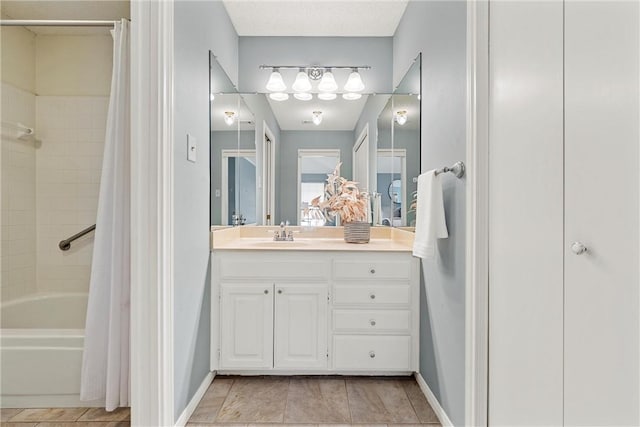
x,y
197,397
431,398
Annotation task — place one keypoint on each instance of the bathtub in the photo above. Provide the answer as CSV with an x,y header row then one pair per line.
x,y
41,344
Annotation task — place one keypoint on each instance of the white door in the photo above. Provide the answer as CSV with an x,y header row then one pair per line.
x,y
247,316
601,357
301,326
361,160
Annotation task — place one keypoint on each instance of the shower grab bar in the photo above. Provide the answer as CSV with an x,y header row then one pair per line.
x,y
65,245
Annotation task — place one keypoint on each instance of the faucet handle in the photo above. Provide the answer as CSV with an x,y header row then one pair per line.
x,y
287,223
282,224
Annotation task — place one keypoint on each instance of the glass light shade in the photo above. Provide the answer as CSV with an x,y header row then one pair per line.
x,y
350,96
354,83
302,83
304,96
328,96
229,117
279,96
328,83
317,118
401,117
275,83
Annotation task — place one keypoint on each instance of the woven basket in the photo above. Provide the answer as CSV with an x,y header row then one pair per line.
x,y
357,232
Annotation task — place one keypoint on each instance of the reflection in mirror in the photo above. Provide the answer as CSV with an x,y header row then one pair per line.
x,y
398,151
313,168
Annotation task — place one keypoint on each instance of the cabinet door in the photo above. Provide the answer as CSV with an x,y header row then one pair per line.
x,y
301,327
601,351
247,320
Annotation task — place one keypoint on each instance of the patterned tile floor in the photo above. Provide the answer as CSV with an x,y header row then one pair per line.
x,y
313,401
64,417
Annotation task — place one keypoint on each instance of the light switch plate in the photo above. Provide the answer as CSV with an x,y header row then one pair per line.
x,y
191,148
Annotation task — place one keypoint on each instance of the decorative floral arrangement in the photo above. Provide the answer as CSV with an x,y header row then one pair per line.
x,y
342,198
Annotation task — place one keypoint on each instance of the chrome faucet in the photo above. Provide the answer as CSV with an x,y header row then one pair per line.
x,y
283,235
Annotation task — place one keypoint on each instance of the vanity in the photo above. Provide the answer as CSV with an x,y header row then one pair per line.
x,y
315,305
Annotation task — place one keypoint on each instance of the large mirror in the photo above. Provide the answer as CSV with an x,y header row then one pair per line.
x,y
270,158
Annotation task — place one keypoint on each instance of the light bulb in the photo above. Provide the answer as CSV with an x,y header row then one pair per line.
x,y
302,83
317,118
327,96
229,117
350,96
279,96
354,82
304,96
275,83
328,82
401,117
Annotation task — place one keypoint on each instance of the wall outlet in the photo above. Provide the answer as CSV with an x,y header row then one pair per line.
x,y
191,148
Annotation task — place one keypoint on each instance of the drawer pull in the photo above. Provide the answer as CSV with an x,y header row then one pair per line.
x,y
372,271
266,291
372,354
372,296
279,291
372,322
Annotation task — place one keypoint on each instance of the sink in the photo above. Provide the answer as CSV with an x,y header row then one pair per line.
x,y
274,244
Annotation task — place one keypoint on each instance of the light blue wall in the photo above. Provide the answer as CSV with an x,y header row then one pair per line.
x,y
199,27
294,140
438,30
369,116
373,51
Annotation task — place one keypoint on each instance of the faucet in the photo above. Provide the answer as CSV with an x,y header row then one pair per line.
x,y
283,235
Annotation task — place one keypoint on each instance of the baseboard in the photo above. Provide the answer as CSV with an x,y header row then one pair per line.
x,y
431,398
193,403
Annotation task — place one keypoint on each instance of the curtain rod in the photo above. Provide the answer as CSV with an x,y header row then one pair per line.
x,y
54,23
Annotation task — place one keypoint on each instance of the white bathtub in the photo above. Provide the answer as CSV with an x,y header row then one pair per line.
x,y
41,342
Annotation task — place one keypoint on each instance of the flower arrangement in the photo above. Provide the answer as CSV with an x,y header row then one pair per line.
x,y
343,199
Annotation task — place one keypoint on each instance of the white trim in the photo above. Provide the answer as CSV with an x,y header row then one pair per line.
x,y
431,398
152,257
224,182
364,136
197,397
268,182
477,223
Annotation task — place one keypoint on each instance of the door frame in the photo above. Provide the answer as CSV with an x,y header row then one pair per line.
x,y
477,216
268,182
362,138
224,182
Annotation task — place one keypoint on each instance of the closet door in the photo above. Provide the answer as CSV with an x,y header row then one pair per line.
x,y
601,325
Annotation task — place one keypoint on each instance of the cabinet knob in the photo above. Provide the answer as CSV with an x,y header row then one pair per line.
x,y
266,291
372,322
372,296
372,354
279,291
578,248
372,271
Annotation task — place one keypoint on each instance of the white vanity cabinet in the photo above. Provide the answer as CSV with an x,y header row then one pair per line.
x,y
314,312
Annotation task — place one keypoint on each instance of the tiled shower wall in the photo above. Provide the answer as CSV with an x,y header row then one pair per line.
x,y
68,165
18,205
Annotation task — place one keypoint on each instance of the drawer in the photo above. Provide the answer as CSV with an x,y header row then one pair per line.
x,y
372,320
232,269
350,270
372,352
371,295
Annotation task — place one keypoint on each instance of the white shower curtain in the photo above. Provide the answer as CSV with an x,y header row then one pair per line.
x,y
105,361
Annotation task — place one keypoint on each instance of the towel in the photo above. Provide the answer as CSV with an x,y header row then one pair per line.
x,y
430,221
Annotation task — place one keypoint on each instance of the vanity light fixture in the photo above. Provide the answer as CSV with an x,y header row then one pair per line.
x,y
351,96
354,82
316,118
401,117
303,96
229,117
276,83
302,83
327,96
328,82
279,96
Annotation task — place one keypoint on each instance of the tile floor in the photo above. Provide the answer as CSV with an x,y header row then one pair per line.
x,y
313,401
64,417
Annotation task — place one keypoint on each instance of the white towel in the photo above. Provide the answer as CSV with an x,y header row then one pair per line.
x,y
377,209
430,221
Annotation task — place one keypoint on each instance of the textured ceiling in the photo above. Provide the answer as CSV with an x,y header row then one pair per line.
x,y
319,18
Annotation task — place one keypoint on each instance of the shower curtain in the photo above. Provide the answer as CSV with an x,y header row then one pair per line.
x,y
105,361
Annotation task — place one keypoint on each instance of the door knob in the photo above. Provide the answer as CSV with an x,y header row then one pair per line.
x,y
578,248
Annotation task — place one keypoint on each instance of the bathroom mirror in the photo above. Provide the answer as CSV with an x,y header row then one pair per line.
x,y
268,163
398,151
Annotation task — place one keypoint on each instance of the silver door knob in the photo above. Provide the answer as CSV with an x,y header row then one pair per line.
x,y
279,291
578,248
